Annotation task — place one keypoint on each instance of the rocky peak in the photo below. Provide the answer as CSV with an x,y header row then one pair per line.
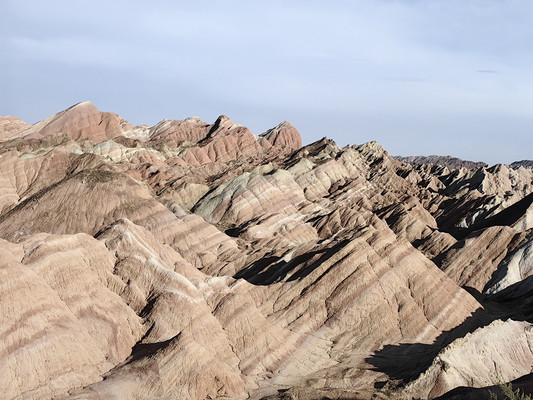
x,y
82,120
11,126
191,129
222,123
284,135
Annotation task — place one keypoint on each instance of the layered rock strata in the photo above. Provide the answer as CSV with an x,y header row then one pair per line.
x,y
196,260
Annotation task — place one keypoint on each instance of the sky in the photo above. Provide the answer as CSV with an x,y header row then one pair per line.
x,y
445,77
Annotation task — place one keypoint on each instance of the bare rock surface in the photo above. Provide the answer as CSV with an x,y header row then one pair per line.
x,y
200,261
55,335
507,355
515,267
82,120
11,126
283,135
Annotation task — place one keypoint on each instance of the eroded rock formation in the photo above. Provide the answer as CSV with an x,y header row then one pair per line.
x,y
193,260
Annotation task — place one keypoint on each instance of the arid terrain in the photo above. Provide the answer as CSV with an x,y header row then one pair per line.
x,y
195,260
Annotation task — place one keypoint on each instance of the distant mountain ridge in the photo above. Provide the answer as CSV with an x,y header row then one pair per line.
x,y
455,163
523,163
445,161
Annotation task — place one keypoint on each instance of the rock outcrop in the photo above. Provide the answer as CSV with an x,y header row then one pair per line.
x,y
200,261
11,126
284,135
82,120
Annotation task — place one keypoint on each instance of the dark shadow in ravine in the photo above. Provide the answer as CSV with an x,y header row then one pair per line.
x,y
406,361
268,270
142,350
506,217
524,384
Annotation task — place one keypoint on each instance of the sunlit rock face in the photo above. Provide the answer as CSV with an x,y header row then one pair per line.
x,y
193,260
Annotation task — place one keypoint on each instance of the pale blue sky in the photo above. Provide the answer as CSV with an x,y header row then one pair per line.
x,y
420,77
